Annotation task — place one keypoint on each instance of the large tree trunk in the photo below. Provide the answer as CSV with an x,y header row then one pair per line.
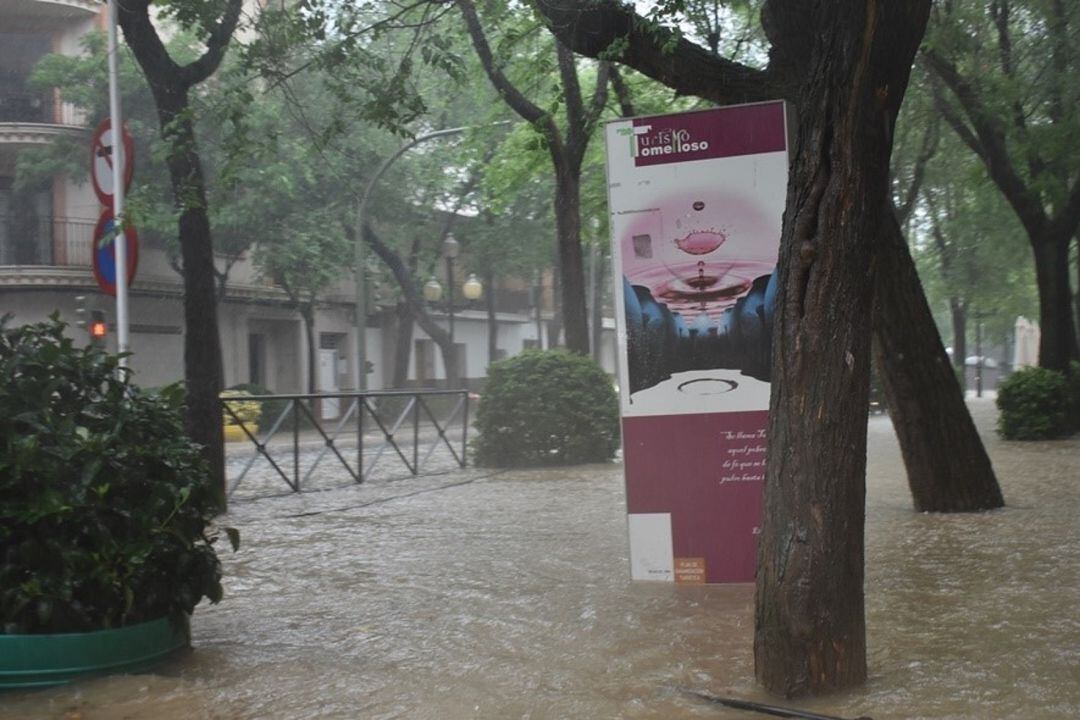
x,y
203,379
169,84
1057,342
571,275
947,467
810,629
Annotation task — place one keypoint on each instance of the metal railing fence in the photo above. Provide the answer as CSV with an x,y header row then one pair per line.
x,y
355,429
45,240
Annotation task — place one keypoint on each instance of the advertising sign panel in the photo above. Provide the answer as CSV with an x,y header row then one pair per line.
x,y
696,203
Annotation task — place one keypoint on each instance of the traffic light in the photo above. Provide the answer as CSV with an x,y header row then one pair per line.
x,y
99,327
80,311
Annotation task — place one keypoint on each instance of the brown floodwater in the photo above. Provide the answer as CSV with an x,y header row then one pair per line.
x,y
506,595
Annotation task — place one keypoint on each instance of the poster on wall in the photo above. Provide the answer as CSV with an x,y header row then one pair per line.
x,y
696,202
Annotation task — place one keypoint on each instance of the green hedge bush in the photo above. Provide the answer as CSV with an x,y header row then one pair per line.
x,y
105,505
546,408
1074,393
1034,404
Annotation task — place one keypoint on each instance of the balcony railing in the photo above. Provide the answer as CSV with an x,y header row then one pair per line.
x,y
35,240
36,108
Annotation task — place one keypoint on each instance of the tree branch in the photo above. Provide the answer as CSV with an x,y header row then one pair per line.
x,y
991,140
571,91
966,134
594,29
926,151
195,72
143,39
599,98
513,97
622,93
999,13
405,280
1067,219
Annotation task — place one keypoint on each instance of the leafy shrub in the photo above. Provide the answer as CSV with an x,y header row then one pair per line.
x,y
270,410
104,503
247,411
1034,405
546,408
1074,394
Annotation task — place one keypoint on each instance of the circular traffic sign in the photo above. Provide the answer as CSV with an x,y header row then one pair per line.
x,y
102,161
104,253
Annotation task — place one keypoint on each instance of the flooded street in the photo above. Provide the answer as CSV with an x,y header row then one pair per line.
x,y
480,594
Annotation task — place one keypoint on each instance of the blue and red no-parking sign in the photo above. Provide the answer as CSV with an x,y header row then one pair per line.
x,y
104,253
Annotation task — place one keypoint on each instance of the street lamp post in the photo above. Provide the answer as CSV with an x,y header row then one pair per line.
x,y
979,315
450,250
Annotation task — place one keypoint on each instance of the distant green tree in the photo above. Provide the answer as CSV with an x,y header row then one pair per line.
x,y
1003,76
564,137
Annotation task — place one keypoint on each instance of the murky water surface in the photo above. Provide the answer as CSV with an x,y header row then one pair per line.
x,y
480,595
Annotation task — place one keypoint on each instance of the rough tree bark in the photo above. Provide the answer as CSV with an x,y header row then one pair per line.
x,y
947,466
170,84
810,623
952,473
567,150
845,66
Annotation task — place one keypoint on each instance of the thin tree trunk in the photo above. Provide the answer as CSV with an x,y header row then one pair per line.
x,y
958,311
555,326
169,83
597,311
403,342
307,313
203,363
571,273
947,467
450,364
492,322
1076,294
1057,341
810,629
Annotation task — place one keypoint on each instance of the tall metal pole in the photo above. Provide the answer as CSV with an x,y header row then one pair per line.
x,y
593,314
119,167
538,292
978,354
360,311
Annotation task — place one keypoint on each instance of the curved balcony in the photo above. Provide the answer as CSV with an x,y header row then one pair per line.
x,y
35,119
46,14
30,240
